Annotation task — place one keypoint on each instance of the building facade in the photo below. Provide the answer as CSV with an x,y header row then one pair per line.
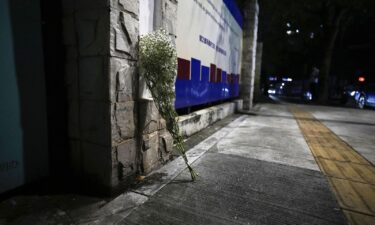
x,y
73,101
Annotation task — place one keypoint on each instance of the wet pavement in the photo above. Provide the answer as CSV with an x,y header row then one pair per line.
x,y
254,168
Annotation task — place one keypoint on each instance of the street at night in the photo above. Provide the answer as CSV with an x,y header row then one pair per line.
x,y
190,112
258,168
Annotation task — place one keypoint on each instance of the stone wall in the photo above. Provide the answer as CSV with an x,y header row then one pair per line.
x,y
258,67
100,39
250,30
113,135
123,89
156,142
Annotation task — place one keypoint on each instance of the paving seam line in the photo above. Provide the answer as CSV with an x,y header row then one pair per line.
x,y
177,166
355,198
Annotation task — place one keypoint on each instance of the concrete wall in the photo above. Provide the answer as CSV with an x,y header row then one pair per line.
x,y
199,120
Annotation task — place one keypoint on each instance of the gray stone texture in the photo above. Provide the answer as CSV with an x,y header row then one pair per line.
x,y
69,37
148,116
131,7
124,162
123,35
250,30
94,155
91,4
123,121
92,31
107,143
258,67
165,145
75,156
150,152
166,16
93,78
73,119
71,53
71,79
101,39
94,122
123,76
156,141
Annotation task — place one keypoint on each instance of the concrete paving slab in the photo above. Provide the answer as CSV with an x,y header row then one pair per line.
x,y
350,175
237,190
271,135
356,127
164,175
256,170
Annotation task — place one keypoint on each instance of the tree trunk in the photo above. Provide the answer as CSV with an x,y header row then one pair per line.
x,y
331,37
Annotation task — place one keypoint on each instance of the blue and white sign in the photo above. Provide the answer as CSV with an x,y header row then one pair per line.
x,y
209,47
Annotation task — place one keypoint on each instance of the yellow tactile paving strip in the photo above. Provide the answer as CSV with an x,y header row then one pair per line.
x,y
350,175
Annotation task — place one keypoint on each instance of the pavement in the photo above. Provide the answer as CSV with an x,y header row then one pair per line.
x,y
254,168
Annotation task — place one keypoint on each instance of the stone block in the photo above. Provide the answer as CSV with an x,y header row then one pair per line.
x,y
249,57
238,105
124,35
194,122
69,35
92,156
93,78
165,145
75,157
123,121
71,80
93,31
71,53
124,161
92,4
95,122
68,6
150,152
131,7
170,16
122,77
162,124
148,116
166,15
73,119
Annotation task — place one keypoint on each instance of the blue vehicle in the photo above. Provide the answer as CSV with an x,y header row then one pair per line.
x,y
364,96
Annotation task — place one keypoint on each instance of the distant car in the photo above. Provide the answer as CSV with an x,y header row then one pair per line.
x,y
348,93
291,89
364,95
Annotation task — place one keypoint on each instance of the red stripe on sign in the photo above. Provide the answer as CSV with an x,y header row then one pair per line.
x,y
183,69
218,75
212,73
